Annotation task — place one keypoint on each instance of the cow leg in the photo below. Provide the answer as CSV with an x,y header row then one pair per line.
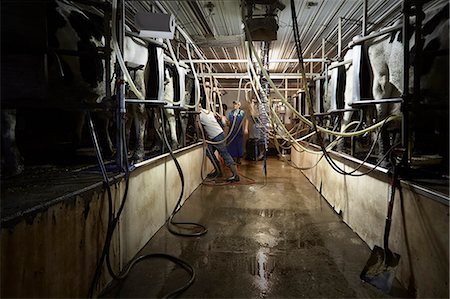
x,y
184,118
128,123
79,121
152,135
11,161
346,117
103,120
140,119
170,113
381,89
140,122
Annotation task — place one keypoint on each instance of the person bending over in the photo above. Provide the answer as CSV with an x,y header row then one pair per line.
x,y
215,133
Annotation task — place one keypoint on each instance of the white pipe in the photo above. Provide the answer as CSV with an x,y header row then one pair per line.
x,y
364,18
245,60
248,89
339,36
246,75
119,53
323,54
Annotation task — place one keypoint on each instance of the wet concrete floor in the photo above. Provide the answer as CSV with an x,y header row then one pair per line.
x,y
267,238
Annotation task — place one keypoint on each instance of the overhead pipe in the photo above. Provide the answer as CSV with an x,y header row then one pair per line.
x,y
248,89
339,37
335,65
364,19
375,34
246,75
323,54
245,60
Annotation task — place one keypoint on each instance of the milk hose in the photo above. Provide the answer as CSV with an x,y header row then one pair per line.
x,y
112,222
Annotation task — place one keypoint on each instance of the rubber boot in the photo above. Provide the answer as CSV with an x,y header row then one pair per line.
x,y
215,174
235,176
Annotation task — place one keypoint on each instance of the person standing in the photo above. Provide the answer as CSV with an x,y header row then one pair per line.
x,y
236,137
215,133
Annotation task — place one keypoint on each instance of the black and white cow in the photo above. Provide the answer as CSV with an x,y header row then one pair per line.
x,y
386,60
385,65
76,75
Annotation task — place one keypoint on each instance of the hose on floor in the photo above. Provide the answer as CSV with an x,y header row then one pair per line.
x,y
203,229
112,223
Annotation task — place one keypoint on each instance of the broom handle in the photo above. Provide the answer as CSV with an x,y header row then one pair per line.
x,y
387,228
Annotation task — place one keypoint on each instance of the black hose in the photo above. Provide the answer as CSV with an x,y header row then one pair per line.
x,y
177,207
108,189
113,220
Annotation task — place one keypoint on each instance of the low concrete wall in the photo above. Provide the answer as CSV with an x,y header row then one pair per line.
x,y
53,253
419,232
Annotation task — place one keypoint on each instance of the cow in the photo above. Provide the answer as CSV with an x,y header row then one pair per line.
x,y
385,67
178,91
177,94
386,60
76,76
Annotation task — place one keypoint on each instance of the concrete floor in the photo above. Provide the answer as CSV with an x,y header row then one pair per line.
x,y
269,238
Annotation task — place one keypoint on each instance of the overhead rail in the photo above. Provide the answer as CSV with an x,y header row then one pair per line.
x,y
247,76
246,60
345,62
376,34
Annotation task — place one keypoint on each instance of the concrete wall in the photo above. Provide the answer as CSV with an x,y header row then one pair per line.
x,y
54,252
419,232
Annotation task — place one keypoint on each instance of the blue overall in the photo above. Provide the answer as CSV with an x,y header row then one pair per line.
x,y
235,143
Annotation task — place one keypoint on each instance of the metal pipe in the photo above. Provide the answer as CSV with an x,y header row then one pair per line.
x,y
375,34
107,50
246,60
249,89
247,76
364,19
335,65
405,95
147,39
373,102
121,110
323,54
146,102
339,36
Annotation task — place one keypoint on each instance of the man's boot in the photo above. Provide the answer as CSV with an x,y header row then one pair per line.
x,y
215,174
235,176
